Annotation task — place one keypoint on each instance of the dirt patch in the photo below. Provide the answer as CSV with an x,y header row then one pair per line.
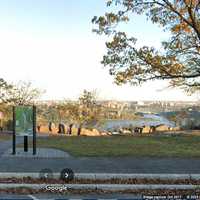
x,y
110,181
26,191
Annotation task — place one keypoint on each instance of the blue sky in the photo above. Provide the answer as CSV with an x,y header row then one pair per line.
x,y
50,43
49,16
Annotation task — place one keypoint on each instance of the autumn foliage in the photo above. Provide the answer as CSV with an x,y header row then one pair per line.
x,y
179,59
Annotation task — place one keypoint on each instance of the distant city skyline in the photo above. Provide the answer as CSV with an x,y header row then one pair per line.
x,y
51,44
112,100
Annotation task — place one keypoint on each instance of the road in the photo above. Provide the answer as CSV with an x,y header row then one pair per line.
x,y
103,165
65,197
86,197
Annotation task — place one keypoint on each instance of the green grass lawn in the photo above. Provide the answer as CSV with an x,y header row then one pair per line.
x,y
137,146
4,137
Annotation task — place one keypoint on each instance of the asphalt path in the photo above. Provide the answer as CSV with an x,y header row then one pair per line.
x,y
70,197
7,144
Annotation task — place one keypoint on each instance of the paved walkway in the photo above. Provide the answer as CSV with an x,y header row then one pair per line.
x,y
5,145
41,153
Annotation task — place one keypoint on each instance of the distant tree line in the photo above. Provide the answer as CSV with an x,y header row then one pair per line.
x,y
87,112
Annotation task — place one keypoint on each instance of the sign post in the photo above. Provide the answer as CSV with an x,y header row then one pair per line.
x,y
24,124
14,132
34,130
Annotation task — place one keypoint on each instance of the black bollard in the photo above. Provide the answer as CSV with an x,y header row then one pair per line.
x,y
25,143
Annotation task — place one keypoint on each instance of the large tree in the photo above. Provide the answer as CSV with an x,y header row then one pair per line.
x,y
89,110
4,88
178,61
22,93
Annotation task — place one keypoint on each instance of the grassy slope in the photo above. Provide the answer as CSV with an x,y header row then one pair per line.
x,y
4,137
150,146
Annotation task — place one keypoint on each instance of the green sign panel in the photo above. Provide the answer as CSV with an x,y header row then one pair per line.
x,y
24,120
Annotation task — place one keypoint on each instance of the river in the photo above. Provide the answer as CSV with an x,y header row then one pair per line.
x,y
146,120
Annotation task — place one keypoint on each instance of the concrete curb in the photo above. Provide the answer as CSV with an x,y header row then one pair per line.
x,y
107,187
102,176
106,176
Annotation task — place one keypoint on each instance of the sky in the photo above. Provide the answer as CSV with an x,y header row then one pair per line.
x,y
51,44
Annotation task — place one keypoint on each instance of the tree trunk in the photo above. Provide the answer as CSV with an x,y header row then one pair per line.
x,y
50,126
79,130
38,128
61,128
70,129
